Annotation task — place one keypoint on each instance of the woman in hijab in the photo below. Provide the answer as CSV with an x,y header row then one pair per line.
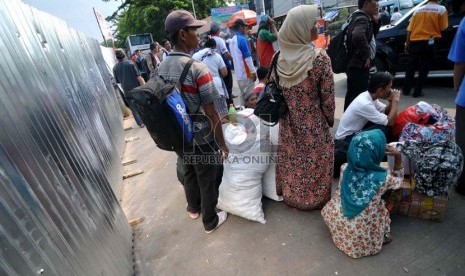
x,y
356,215
305,153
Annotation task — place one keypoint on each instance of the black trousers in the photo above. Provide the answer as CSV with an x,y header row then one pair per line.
x,y
342,146
420,57
201,182
460,140
370,126
357,82
228,80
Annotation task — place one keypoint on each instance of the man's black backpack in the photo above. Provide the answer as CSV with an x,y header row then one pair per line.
x,y
163,112
338,50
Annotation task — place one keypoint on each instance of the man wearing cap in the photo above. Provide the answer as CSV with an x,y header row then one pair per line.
x,y
265,40
199,94
244,68
227,58
127,73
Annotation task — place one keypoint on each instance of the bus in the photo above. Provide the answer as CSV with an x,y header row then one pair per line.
x,y
139,42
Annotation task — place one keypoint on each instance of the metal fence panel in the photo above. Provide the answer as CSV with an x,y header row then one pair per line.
x,y
61,140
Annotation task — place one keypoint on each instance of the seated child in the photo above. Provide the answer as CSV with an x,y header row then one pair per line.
x,y
262,75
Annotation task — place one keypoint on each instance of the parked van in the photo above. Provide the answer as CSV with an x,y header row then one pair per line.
x,y
390,54
406,4
391,4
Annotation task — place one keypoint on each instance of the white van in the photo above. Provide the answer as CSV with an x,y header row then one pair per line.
x,y
391,4
405,4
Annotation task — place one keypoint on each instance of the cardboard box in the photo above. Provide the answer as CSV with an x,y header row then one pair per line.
x,y
398,200
429,208
409,202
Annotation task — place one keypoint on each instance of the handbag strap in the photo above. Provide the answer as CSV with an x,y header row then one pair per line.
x,y
274,63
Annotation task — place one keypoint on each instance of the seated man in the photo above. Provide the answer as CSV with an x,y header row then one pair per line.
x,y
366,112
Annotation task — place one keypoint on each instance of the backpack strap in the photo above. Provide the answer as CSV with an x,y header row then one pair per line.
x,y
184,73
350,26
185,70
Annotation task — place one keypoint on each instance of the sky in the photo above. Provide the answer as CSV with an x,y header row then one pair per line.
x,y
78,14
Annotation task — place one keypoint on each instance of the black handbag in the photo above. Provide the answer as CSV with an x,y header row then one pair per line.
x,y
271,106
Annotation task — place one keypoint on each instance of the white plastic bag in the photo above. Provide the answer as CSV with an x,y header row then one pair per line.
x,y
269,177
427,108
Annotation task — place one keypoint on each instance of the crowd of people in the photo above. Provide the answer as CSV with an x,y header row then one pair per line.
x,y
355,214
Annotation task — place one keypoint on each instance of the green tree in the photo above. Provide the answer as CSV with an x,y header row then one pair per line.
x,y
148,16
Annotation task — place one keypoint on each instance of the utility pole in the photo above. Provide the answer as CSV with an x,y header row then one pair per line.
x,y
193,9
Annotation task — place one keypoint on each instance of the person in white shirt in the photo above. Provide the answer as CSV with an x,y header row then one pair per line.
x,y
222,49
166,49
218,70
395,16
244,68
366,112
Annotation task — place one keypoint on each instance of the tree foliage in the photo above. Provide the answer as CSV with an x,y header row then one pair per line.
x,y
148,16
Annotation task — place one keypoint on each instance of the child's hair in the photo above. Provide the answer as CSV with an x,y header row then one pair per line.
x,y
261,73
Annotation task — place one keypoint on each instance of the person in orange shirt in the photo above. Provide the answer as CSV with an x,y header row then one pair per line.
x,y
267,34
424,28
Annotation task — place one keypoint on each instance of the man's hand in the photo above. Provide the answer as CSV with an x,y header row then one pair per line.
x,y
224,151
367,63
254,77
395,95
407,47
375,17
271,21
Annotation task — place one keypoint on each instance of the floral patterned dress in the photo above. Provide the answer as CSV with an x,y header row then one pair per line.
x,y
305,153
362,235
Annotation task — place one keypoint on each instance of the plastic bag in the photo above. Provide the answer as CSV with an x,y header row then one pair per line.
x,y
411,114
442,130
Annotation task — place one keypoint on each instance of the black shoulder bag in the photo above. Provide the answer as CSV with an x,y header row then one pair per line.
x,y
271,106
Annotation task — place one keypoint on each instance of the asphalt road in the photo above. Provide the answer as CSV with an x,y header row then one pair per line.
x,y
291,242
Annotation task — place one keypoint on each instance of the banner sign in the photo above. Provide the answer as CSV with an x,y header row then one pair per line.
x,y
224,13
102,23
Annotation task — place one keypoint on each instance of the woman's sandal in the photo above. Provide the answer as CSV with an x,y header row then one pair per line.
x,y
387,238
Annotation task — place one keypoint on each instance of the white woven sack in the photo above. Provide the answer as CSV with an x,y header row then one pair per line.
x,y
240,192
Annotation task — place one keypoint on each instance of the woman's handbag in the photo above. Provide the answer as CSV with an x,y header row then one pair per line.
x,y
271,106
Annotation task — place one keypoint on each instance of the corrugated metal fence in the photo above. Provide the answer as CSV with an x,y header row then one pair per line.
x,y
61,139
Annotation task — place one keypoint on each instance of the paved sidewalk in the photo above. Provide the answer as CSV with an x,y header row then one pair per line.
x,y
291,242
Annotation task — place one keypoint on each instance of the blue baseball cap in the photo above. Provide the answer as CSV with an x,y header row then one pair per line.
x,y
264,18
